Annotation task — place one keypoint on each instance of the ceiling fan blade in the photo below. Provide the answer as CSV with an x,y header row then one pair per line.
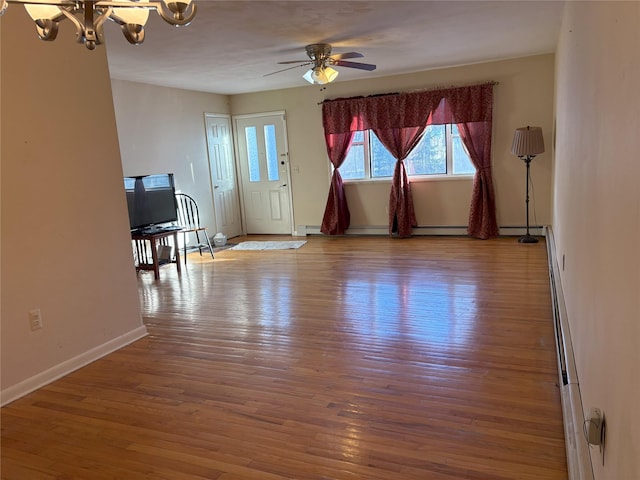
x,y
293,61
340,56
285,69
360,66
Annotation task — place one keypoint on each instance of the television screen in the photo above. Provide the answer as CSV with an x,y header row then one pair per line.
x,y
151,200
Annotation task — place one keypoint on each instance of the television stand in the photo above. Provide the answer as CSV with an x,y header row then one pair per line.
x,y
146,245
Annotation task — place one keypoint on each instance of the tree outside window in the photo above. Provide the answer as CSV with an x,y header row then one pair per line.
x,y
440,152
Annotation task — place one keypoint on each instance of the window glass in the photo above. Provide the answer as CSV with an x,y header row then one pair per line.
x,y
461,161
272,153
430,155
353,166
252,154
382,162
440,152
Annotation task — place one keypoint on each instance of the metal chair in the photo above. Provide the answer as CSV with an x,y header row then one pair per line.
x,y
189,220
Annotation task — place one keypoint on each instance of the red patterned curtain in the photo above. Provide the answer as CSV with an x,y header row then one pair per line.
x,y
400,142
471,108
468,107
336,214
482,214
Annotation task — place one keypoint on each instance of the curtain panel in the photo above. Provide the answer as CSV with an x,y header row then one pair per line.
x,y
400,142
471,108
336,214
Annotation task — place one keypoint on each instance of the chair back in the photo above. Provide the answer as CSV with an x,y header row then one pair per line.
x,y
188,216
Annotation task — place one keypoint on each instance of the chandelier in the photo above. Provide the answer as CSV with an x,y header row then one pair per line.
x,y
89,17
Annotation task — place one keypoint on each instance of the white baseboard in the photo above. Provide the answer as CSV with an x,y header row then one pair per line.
x,y
303,230
577,449
27,386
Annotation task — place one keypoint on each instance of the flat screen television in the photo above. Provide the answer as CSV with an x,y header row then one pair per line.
x,y
151,201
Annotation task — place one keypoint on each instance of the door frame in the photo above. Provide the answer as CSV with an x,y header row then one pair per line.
x,y
234,119
232,149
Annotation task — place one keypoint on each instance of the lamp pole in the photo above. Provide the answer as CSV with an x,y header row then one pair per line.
x,y
527,143
527,238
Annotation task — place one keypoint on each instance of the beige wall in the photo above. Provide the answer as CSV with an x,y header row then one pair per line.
x,y
162,130
65,246
597,216
523,97
65,240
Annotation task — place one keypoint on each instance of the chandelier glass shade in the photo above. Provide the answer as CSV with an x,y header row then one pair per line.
x,y
321,75
89,17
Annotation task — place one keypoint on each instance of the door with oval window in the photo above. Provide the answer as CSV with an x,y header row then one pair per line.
x,y
264,173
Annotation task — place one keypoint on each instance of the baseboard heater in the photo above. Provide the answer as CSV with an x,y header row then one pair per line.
x,y
433,230
578,453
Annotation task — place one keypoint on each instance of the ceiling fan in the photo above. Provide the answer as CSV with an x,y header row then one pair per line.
x,y
322,61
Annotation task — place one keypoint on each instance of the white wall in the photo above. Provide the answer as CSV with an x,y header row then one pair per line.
x,y
597,216
65,239
162,130
523,97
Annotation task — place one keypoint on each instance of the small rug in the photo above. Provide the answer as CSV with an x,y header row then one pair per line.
x,y
269,245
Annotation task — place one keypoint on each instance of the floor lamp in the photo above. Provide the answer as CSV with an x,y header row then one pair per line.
x,y
527,143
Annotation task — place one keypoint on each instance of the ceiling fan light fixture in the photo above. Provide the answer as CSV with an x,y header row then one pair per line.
x,y
321,75
321,62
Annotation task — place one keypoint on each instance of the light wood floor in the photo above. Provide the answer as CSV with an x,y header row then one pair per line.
x,y
350,358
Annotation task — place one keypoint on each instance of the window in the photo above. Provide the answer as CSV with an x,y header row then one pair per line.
x,y
252,154
272,153
440,152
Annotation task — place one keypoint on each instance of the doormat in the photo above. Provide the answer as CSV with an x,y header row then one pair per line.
x,y
269,245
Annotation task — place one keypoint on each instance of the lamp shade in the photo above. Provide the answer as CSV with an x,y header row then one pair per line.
x,y
527,141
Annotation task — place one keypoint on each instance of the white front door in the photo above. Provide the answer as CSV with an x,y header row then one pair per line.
x,y
226,201
264,173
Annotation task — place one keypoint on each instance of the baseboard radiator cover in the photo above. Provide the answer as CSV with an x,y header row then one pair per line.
x,y
52,374
304,230
577,449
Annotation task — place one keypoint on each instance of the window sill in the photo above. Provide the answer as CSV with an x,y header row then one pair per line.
x,y
413,179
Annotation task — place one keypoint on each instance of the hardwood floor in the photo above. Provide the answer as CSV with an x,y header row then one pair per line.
x,y
350,358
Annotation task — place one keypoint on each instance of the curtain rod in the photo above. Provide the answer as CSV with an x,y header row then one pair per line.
x,y
431,89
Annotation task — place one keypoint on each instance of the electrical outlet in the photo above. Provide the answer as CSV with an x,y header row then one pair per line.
x,y
35,319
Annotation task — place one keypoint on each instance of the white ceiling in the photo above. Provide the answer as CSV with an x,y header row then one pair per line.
x,y
231,44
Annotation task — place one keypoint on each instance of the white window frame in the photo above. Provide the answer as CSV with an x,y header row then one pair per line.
x,y
449,175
